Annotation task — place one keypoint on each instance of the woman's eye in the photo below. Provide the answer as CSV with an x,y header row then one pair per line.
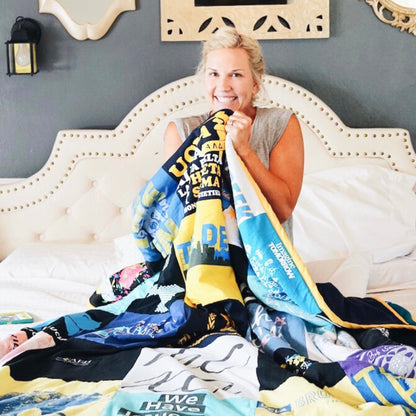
x,y
236,74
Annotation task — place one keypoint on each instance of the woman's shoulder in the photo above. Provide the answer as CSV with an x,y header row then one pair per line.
x,y
272,120
273,113
186,125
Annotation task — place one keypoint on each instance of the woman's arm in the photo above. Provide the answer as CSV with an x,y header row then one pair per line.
x,y
282,182
172,141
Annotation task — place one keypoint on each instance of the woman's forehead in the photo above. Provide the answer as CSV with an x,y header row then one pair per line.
x,y
236,58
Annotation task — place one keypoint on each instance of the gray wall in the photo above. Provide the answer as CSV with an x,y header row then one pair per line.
x,y
365,71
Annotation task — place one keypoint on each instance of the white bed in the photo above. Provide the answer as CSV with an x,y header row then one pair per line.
x,y
67,228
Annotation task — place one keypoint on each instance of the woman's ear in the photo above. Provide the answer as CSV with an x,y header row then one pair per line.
x,y
256,86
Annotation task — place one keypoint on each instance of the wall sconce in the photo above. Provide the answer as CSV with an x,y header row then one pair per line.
x,y
21,48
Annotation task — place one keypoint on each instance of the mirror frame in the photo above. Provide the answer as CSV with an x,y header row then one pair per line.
x,y
87,30
398,15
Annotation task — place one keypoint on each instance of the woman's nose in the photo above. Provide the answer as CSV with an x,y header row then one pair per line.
x,y
224,83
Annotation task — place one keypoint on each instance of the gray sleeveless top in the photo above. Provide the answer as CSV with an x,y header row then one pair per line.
x,y
268,128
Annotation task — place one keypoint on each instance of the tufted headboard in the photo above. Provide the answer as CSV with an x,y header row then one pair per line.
x,y
84,191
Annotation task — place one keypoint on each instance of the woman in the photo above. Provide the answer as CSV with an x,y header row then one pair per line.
x,y
269,141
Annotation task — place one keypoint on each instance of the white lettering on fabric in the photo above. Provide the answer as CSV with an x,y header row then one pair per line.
x,y
283,257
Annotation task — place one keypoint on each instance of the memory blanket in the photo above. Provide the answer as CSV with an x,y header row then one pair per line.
x,y
223,318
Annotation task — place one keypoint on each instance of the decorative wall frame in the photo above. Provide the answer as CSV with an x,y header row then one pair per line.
x,y
86,19
185,20
397,13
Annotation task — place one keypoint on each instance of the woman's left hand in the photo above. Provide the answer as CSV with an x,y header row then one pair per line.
x,y
238,128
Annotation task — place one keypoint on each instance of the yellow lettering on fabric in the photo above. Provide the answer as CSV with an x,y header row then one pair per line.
x,y
163,238
181,164
211,168
220,118
149,195
210,181
195,191
196,178
142,243
179,168
205,133
213,145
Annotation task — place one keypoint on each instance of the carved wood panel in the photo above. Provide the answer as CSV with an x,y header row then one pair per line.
x,y
185,20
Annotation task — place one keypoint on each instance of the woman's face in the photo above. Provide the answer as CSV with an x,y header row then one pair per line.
x,y
229,81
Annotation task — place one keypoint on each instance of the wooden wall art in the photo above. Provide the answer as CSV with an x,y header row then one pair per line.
x,y
185,20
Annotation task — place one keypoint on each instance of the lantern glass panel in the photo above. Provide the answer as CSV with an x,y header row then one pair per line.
x,y
21,58
24,55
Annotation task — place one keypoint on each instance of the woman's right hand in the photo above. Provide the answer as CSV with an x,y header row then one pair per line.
x,y
239,128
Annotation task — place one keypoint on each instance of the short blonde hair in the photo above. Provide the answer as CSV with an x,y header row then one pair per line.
x,y
228,37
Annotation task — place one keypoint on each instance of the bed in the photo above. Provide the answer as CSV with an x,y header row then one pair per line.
x,y
67,228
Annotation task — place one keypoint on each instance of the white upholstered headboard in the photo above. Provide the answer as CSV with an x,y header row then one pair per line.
x,y
84,191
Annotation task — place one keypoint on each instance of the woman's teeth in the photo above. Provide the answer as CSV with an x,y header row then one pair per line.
x,y
225,99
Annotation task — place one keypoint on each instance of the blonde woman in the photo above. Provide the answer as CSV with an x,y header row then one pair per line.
x,y
269,141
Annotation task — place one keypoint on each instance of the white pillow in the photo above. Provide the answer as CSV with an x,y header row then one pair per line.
x,y
127,251
86,263
355,209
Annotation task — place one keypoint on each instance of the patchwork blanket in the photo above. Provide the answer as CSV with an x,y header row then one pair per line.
x,y
222,319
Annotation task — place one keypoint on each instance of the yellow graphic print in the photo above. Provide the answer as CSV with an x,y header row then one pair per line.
x,y
211,321
59,396
201,243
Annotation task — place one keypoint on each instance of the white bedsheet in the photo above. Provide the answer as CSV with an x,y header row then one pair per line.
x,y
49,280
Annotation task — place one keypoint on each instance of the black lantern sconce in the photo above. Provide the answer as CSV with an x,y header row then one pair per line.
x,y
21,48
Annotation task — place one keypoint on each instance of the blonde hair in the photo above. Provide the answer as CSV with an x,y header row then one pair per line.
x,y
228,37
